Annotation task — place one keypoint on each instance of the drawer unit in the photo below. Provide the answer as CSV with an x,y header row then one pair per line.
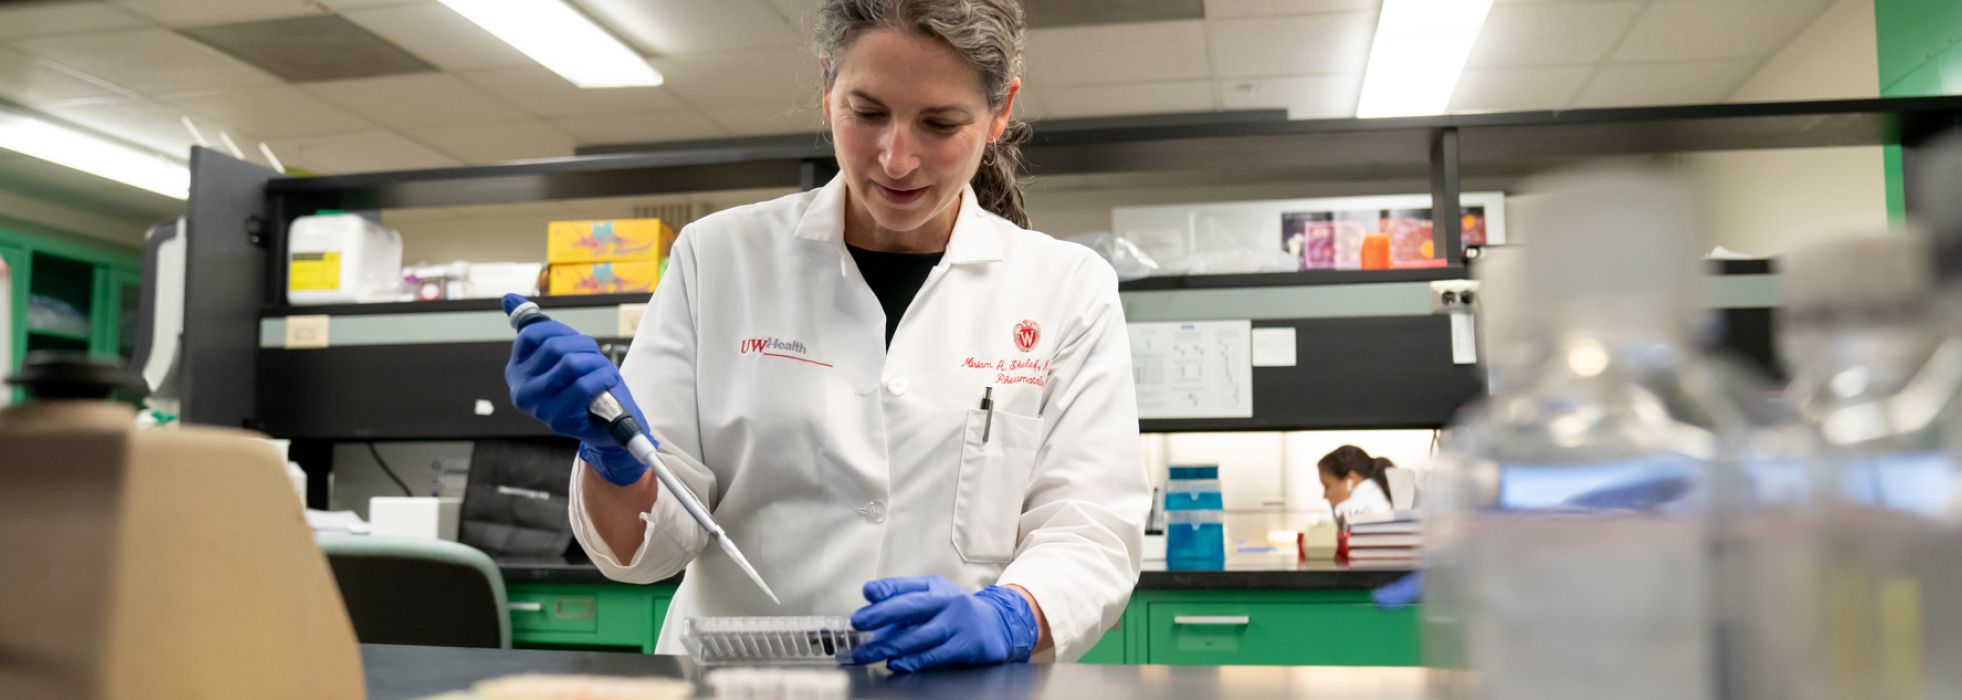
x,y
610,616
1231,633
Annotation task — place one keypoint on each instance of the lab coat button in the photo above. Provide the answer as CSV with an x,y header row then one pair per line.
x,y
874,512
896,386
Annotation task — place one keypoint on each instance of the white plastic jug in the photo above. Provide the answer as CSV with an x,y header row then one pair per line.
x,y
342,259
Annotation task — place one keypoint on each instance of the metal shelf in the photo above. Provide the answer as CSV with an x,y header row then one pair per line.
x,y
239,213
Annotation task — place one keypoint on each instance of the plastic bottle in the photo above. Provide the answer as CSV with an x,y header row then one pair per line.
x,y
1598,494
1195,526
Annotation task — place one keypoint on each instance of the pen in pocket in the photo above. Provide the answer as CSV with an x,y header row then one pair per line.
x,y
987,404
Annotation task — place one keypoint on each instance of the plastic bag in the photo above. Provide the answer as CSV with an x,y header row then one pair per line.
x,y
1130,262
1216,251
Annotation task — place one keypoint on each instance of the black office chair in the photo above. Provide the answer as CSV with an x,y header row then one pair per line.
x,y
425,592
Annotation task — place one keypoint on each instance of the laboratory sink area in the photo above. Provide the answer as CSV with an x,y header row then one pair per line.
x,y
980,349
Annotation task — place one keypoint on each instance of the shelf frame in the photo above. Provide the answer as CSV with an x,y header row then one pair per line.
x,y
240,213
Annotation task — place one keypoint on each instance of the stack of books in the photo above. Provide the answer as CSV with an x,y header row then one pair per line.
x,y
1388,538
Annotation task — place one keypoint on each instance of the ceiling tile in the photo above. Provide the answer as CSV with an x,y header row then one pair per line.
x,y
764,78
640,128
1234,9
1689,30
1121,53
546,94
345,5
755,121
1518,89
1133,98
798,12
272,112
439,35
691,26
48,18
1301,45
142,121
147,60
420,101
27,80
484,144
1634,84
1552,35
358,153
1314,97
197,13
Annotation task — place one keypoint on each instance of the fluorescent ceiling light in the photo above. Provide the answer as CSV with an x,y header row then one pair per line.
x,y
1420,49
93,154
562,39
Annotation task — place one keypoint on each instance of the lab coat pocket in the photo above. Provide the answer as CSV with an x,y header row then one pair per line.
x,y
994,480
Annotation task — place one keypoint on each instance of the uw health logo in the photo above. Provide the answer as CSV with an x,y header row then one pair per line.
x,y
777,347
1027,334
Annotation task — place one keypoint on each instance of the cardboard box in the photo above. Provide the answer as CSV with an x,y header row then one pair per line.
x,y
605,277
617,240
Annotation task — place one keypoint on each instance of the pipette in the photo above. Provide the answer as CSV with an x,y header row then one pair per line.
x,y
629,434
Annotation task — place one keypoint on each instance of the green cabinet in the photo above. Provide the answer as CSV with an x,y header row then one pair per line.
x,y
1186,628
1251,628
605,617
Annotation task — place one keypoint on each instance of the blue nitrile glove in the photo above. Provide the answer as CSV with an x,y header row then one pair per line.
x,y
927,622
1403,591
554,373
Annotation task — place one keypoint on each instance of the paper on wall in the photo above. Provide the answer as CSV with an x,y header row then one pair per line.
x,y
1201,369
1273,347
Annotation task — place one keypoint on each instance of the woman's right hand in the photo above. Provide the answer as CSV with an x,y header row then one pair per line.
x,y
554,373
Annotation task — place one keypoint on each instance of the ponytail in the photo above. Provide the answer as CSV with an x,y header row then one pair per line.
x,y
995,183
1378,468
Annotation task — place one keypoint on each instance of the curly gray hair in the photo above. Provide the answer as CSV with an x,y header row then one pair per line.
x,y
985,33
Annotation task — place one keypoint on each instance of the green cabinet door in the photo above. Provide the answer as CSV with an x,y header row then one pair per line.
x,y
1252,632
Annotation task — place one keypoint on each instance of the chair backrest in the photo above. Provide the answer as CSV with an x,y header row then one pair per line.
x,y
427,592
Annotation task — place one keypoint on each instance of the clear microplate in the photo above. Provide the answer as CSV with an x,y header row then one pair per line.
x,y
758,641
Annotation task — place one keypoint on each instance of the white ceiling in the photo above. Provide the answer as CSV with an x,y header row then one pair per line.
x,y
740,67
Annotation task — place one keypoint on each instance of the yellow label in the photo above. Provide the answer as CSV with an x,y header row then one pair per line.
x,y
311,272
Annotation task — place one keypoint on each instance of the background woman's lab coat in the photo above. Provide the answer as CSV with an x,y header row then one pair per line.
x,y
833,461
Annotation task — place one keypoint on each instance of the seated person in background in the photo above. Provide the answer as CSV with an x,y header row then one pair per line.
x,y
1353,482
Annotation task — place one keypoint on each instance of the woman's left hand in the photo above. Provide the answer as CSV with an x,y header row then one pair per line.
x,y
927,622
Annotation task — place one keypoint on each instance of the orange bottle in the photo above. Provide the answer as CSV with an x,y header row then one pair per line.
x,y
1376,252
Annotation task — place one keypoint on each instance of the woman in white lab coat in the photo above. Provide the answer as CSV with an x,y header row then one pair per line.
x,y
1354,482
887,390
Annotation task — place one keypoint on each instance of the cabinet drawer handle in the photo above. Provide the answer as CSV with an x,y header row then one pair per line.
x,y
526,607
1211,620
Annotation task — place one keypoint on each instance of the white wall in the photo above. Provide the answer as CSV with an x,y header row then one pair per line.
x,y
1768,202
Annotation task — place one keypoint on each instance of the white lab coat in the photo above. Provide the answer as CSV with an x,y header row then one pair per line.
x,y
1366,497
761,365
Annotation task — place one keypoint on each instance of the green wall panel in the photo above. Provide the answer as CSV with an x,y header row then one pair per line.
x,y
1912,33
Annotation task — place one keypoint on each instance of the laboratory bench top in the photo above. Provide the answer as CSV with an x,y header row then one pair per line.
x,y
1312,575
408,672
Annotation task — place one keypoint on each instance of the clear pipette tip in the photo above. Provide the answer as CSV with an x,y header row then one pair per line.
x,y
736,554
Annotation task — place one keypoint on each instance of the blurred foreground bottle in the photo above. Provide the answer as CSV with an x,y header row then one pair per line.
x,y
1593,534
1884,383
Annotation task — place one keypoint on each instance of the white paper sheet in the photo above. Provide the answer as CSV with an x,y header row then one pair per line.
x,y
1202,369
1273,347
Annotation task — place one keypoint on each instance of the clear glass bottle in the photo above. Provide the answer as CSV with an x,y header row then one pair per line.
x,y
1597,496
1876,346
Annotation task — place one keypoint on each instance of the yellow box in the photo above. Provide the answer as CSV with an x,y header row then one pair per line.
x,y
607,241
605,277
